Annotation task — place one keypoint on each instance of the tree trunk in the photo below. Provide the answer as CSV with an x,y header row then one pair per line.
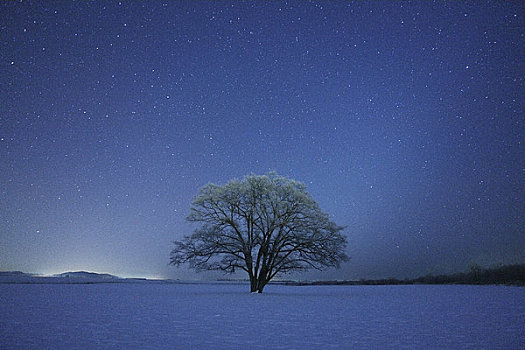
x,y
253,284
260,284
257,284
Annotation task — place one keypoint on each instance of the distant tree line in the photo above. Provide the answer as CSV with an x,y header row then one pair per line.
x,y
508,274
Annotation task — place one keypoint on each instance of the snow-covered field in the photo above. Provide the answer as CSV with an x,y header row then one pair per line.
x,y
226,316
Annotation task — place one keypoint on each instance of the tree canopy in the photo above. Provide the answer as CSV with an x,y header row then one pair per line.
x,y
264,225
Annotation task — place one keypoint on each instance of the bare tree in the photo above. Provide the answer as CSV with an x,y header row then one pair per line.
x,y
264,225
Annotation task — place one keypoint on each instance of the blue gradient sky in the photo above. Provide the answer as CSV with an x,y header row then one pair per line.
x,y
404,119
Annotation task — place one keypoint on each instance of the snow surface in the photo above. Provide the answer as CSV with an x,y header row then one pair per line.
x,y
227,316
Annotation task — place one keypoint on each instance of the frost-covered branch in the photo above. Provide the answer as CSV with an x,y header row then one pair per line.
x,y
264,225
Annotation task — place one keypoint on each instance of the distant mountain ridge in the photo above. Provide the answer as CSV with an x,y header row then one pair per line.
x,y
70,277
85,274
13,273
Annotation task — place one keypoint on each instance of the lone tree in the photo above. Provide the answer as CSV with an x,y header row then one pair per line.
x,y
264,225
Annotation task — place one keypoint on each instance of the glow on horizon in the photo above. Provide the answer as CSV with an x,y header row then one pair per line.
x,y
51,273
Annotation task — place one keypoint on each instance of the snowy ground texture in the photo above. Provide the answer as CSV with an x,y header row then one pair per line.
x,y
226,316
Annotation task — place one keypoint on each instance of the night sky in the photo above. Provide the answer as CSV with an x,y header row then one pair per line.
x,y
404,119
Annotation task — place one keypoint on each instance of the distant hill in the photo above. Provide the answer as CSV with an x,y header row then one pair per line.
x,y
14,273
74,277
71,277
16,277
85,274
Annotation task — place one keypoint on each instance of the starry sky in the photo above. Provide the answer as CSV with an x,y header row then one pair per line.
x,y
405,119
